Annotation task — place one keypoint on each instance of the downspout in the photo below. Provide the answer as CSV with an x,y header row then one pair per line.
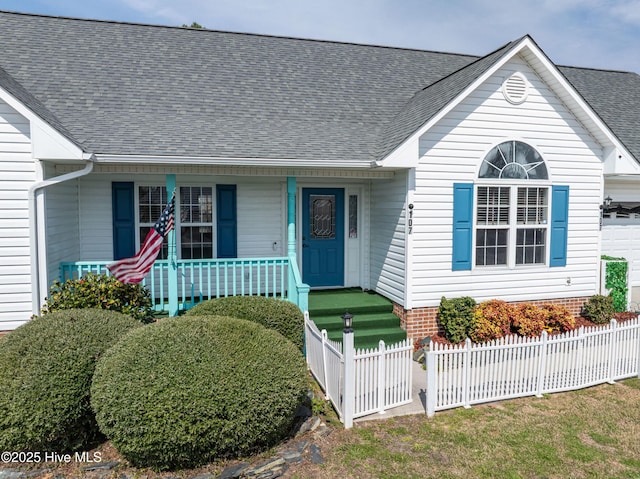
x,y
34,231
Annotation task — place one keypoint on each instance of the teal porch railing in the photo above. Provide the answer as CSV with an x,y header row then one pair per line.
x,y
199,280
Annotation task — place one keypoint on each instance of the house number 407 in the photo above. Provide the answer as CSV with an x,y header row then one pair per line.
x,y
410,223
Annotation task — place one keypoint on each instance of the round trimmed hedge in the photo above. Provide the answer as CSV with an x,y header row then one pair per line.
x,y
46,367
273,313
187,390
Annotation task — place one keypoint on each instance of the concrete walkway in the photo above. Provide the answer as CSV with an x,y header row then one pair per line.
x,y
418,393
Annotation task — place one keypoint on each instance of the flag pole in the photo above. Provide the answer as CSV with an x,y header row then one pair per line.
x,y
172,257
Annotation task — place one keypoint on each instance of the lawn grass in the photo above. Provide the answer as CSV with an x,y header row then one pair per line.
x,y
593,432
590,433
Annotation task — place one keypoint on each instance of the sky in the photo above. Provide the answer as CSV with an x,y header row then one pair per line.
x,y
587,33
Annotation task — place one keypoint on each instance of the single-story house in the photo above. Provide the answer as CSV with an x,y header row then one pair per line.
x,y
302,163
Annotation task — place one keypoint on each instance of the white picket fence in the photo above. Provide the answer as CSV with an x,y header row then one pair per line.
x,y
325,360
513,367
359,382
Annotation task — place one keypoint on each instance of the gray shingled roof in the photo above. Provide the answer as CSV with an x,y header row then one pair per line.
x,y
426,103
26,98
130,89
615,97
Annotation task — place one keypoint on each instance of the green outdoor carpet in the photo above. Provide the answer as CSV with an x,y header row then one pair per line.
x,y
373,318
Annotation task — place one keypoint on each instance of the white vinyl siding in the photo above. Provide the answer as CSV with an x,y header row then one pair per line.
x,y
388,234
261,217
96,231
62,231
17,174
452,152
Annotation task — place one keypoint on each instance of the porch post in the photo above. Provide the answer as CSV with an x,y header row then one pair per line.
x,y
172,271
297,291
292,291
291,215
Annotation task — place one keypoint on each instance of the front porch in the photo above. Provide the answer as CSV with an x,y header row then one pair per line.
x,y
237,231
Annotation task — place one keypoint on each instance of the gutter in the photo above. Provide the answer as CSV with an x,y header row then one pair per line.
x,y
622,176
35,241
231,161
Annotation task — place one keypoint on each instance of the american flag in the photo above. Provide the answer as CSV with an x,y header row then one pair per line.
x,y
134,269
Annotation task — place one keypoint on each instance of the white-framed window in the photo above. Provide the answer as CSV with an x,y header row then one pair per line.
x,y
492,219
512,207
193,220
196,227
151,202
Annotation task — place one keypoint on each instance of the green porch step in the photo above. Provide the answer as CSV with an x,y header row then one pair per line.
x,y
354,300
373,317
360,321
370,338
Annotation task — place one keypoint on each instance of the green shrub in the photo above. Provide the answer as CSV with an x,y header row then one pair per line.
x,y
528,319
103,292
46,367
491,320
599,309
456,317
184,391
277,314
558,318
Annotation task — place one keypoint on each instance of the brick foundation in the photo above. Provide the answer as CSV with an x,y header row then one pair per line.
x,y
423,322
419,322
2,333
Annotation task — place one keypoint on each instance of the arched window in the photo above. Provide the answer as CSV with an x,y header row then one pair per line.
x,y
513,160
512,220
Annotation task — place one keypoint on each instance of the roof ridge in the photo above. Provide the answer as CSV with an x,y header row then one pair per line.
x,y
289,37
469,65
229,32
595,69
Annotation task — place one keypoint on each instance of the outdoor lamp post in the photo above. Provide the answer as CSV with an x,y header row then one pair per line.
x,y
349,377
347,320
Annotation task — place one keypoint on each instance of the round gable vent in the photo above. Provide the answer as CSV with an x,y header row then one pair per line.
x,y
515,88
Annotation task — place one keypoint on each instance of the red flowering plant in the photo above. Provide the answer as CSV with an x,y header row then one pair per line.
x,y
528,319
559,318
491,320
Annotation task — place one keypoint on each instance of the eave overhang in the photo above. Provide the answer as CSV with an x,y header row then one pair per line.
x,y
46,142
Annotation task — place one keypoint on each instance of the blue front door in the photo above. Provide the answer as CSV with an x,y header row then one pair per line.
x,y
323,236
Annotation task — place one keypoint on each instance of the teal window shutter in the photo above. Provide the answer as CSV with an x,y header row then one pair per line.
x,y
123,220
227,221
462,226
559,225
